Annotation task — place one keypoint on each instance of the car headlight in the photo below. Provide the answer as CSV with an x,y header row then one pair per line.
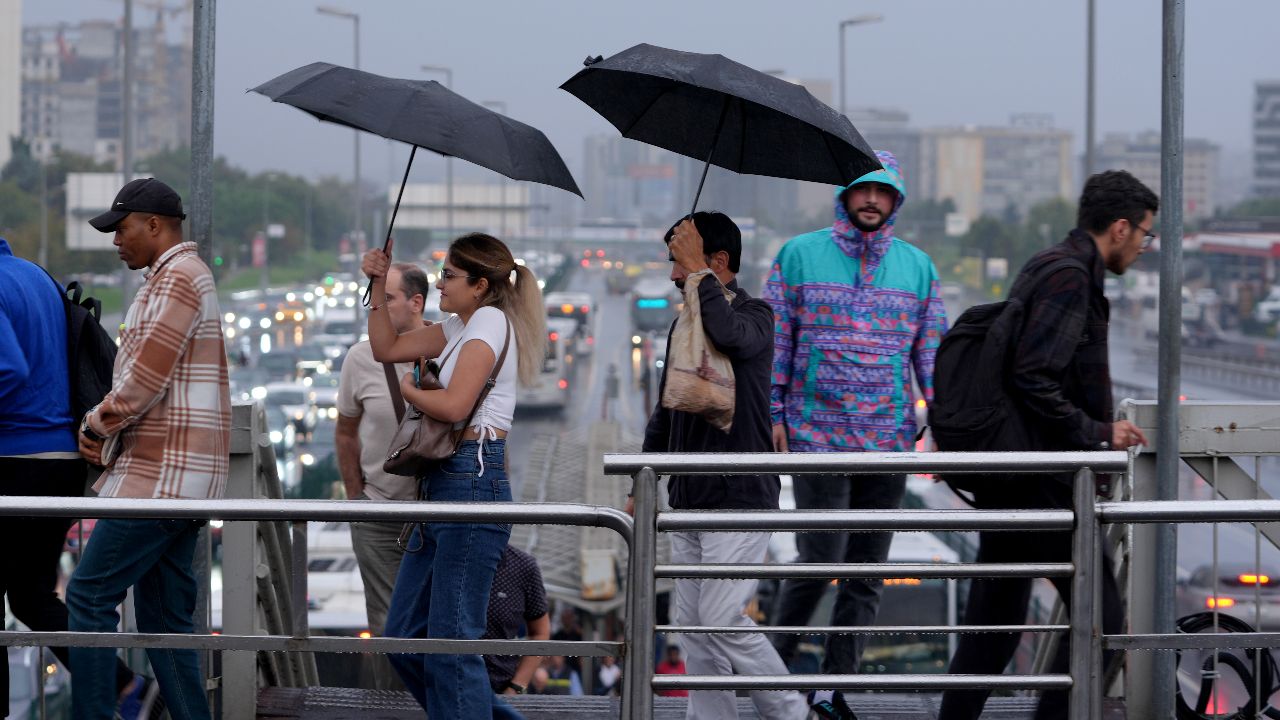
x,y
308,459
258,393
299,415
277,436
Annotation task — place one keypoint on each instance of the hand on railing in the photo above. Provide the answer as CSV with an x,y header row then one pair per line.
x,y
1125,434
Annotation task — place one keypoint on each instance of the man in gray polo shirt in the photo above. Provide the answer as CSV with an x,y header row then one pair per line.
x,y
366,424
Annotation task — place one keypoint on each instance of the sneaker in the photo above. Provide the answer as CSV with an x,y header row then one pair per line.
x,y
834,709
141,701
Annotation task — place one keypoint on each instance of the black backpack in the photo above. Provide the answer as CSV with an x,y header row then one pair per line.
x,y
972,408
91,353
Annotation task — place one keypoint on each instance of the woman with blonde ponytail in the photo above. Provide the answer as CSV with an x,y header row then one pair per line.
x,y
496,320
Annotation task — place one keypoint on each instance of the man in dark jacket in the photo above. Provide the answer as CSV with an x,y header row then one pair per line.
x,y
1062,383
706,251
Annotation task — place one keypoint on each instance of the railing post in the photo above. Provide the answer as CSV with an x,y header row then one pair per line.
x,y
1086,672
637,702
241,558
299,625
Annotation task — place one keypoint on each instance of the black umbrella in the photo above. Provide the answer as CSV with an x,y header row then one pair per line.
x,y
425,114
711,108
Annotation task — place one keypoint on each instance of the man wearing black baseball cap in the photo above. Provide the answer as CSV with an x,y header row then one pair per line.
x,y
146,217
163,431
144,195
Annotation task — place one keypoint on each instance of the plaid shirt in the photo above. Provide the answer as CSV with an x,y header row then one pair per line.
x,y
1061,371
170,401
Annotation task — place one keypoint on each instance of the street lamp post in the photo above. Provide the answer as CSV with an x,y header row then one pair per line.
x,y
448,161
501,107
359,213
1090,110
859,20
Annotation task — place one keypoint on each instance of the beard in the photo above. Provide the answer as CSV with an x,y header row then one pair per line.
x,y
867,227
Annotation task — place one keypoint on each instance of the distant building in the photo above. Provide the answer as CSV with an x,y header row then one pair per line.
x,y
498,208
629,181
1140,155
1266,139
888,129
10,74
992,170
72,89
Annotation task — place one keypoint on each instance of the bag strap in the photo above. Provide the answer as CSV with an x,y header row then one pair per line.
x,y
393,385
493,376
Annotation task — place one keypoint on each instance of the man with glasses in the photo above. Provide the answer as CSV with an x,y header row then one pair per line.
x,y
1061,381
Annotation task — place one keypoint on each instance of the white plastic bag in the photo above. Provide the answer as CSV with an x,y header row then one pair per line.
x,y
699,377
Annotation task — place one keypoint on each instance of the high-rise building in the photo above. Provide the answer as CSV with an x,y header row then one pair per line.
x,y
1266,139
888,129
10,74
995,170
72,88
1140,155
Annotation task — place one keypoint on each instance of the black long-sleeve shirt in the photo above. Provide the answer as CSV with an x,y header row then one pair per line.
x,y
743,331
1061,374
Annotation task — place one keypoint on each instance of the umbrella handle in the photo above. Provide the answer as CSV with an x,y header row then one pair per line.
x,y
724,110
394,212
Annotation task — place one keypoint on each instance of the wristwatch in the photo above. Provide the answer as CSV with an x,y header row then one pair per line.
x,y
516,686
89,433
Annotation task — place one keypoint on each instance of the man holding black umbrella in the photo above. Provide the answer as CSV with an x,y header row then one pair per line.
x,y
856,310
706,251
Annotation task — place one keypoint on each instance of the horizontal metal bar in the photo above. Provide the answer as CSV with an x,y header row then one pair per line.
x,y
330,510
860,682
837,520
866,463
285,643
863,570
1189,511
862,630
1192,641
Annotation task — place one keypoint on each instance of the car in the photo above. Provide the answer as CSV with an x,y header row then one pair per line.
x,y
296,400
1268,310
1242,590
324,386
579,307
244,380
281,431
279,365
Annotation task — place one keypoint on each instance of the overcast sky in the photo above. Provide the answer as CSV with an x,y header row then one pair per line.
x,y
943,61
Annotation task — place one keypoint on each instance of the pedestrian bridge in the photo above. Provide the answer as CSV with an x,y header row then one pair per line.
x,y
261,664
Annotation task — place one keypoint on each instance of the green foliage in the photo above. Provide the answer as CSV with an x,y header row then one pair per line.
x,y
1255,207
315,215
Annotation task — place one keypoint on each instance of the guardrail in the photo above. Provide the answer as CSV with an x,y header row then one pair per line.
x,y
1086,656
298,512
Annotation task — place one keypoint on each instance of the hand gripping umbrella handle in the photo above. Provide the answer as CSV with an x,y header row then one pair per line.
x,y
394,211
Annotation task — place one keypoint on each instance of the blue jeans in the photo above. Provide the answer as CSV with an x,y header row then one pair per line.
x,y
154,557
442,590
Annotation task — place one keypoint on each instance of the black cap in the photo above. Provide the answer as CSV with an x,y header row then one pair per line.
x,y
145,195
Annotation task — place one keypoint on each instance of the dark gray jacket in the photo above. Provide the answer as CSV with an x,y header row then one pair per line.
x,y
742,331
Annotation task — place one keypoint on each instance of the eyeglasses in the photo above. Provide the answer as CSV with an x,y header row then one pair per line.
x,y
447,275
1147,236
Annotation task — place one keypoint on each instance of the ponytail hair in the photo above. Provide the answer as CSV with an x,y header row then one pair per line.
x,y
513,289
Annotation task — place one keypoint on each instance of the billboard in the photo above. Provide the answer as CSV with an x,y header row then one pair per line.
x,y
90,194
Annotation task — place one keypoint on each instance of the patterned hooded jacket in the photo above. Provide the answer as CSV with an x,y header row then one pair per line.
x,y
853,314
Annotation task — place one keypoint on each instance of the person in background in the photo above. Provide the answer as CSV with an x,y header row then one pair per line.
x,y
517,600
672,664
366,418
570,629
562,678
610,676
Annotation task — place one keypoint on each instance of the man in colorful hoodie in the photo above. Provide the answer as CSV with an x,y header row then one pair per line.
x,y
856,311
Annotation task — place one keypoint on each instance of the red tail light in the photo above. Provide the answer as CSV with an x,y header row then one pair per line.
x,y
585,309
563,384
1250,579
553,337
1219,603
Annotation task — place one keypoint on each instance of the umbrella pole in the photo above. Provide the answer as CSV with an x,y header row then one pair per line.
x,y
724,110
396,209
404,181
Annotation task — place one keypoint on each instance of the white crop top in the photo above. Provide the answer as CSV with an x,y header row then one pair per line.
x,y
487,324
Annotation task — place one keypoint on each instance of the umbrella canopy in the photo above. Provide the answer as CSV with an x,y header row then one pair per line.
x,y
711,108
425,114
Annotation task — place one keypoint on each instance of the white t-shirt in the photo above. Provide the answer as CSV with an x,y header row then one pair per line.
x,y
488,324
363,393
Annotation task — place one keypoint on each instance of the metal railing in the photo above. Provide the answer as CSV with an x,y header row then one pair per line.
x,y
1083,680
